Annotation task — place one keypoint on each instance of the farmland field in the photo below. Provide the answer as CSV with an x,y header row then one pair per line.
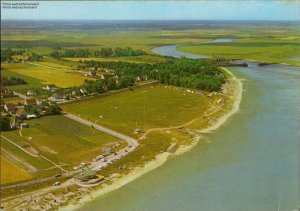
x,y
61,78
278,50
143,108
11,173
63,140
134,59
32,83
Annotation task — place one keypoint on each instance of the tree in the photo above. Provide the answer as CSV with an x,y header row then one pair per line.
x,y
4,123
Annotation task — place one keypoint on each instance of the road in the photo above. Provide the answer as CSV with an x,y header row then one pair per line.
x,y
33,155
40,65
20,95
129,140
98,165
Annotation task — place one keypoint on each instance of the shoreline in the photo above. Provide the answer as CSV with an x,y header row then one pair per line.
x,y
161,158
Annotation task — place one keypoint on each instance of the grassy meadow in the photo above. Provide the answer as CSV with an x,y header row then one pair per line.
x,y
143,108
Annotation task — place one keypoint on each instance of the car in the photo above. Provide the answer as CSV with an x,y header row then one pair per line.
x,y
56,184
58,175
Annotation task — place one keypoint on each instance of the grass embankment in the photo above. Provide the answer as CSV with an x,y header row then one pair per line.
x,y
272,50
11,173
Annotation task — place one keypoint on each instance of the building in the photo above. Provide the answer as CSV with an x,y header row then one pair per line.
x,y
50,87
7,93
31,116
86,176
31,93
10,108
138,131
57,97
30,102
21,113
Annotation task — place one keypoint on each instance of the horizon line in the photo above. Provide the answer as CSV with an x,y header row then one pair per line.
x,y
272,20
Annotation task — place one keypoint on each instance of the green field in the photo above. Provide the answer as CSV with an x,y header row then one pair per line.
x,y
143,108
63,140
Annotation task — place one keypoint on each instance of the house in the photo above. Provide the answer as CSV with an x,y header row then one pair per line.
x,y
7,93
57,97
31,116
50,87
21,113
83,91
14,123
86,176
102,77
91,73
30,102
31,93
10,108
138,131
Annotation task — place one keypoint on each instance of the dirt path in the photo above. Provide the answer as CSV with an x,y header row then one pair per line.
x,y
33,155
180,126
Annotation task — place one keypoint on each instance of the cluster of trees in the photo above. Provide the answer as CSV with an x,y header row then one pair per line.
x,y
196,74
49,109
102,86
11,81
4,123
103,52
199,74
6,54
35,57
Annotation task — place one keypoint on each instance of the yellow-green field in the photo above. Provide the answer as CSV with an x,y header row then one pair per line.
x,y
11,173
143,108
134,59
61,78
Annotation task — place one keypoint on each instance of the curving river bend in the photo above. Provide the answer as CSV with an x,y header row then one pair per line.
x,y
249,163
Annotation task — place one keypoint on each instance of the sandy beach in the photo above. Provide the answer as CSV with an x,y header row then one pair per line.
x,y
163,157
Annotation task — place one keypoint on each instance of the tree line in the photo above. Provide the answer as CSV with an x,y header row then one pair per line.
x,y
198,74
11,81
102,52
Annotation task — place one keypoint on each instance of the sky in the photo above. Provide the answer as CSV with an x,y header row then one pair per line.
x,y
159,10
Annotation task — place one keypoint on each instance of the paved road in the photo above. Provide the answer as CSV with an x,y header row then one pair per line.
x,y
131,141
40,65
20,95
98,165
